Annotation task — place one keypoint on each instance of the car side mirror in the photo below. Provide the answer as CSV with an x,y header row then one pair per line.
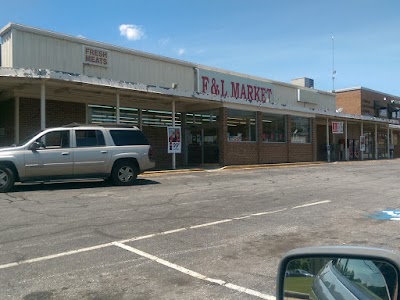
x,y
340,272
36,145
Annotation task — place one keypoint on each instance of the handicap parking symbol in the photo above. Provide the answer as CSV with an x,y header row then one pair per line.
x,y
392,215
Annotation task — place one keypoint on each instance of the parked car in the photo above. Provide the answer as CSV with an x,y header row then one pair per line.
x,y
117,152
298,273
344,272
352,279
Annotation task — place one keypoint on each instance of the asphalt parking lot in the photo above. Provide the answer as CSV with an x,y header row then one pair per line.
x,y
216,234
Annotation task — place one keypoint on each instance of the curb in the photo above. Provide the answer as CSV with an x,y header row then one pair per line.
x,y
234,167
278,165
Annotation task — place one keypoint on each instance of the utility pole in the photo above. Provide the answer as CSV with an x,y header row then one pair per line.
x,y
333,64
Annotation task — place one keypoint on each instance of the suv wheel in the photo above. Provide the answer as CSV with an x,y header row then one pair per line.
x,y
7,179
124,173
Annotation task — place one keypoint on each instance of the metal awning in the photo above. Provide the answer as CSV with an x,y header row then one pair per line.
x,y
64,86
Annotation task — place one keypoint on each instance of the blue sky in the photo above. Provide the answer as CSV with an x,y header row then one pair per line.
x,y
278,40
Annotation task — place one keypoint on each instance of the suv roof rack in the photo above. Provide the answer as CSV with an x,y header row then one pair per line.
x,y
114,125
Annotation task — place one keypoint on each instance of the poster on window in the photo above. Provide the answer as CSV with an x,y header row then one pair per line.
x,y
337,127
362,143
174,139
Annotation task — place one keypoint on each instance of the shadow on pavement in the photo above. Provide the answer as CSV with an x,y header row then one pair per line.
x,y
73,185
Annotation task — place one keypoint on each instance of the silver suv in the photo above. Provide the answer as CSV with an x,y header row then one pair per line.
x,y
117,152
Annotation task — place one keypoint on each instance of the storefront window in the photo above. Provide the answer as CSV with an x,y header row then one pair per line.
x,y
242,126
273,128
202,118
154,118
300,130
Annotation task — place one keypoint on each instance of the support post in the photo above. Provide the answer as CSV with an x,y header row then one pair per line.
x,y
328,147
376,141
43,106
362,133
118,115
392,142
346,152
388,142
140,119
173,124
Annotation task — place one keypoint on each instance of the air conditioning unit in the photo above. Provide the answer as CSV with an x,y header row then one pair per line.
x,y
304,82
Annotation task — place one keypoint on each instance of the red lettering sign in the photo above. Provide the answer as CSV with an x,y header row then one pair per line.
x,y
243,91
95,56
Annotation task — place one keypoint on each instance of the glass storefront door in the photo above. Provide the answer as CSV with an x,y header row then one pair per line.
x,y
202,147
210,146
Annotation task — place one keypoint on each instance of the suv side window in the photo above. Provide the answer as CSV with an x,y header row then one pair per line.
x,y
89,138
55,139
365,275
128,137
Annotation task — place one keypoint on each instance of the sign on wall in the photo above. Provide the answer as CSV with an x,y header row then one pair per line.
x,y
95,56
174,139
337,127
231,86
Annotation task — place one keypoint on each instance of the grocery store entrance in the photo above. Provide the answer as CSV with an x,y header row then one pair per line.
x,y
202,146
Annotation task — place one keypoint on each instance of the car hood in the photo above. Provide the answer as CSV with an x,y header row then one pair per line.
x,y
9,149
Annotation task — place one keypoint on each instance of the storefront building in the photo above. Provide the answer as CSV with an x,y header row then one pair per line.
x,y
49,79
375,104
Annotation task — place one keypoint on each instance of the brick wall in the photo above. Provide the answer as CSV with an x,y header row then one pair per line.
x,y
7,122
241,153
368,99
350,101
273,153
58,113
300,152
396,147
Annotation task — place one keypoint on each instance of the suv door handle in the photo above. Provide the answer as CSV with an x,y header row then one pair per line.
x,y
65,153
103,152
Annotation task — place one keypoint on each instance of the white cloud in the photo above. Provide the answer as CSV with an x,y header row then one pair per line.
x,y
81,36
181,51
131,32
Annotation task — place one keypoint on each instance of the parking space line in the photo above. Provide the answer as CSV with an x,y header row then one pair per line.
x,y
44,258
193,273
211,223
311,204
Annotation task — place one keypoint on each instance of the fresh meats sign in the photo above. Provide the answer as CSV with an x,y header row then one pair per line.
x,y
95,56
230,86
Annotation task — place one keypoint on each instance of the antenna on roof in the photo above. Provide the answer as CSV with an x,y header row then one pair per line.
x,y
333,64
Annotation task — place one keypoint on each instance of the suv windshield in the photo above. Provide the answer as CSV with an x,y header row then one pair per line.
x,y
23,142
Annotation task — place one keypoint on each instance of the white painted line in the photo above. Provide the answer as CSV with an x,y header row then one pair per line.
x,y
241,218
29,261
268,212
193,273
210,224
173,231
43,258
311,204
